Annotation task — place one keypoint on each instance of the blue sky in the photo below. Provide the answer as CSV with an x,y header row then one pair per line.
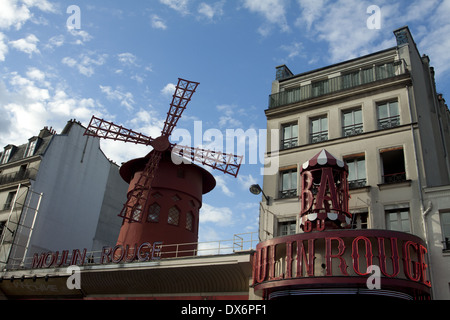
x,y
122,62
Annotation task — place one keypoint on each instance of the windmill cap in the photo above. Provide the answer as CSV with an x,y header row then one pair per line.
x,y
129,168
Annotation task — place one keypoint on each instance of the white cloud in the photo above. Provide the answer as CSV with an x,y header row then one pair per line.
x,y
28,102
274,12
81,36
126,98
293,50
158,23
169,89
228,119
27,44
222,184
3,47
13,14
211,10
178,5
127,58
85,62
222,216
246,181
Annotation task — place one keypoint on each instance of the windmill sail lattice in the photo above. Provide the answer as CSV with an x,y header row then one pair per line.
x,y
137,197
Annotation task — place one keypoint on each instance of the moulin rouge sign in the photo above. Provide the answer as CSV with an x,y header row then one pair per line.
x,y
340,253
328,248
117,254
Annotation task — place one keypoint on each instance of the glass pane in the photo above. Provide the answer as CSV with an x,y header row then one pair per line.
x,y
287,132
324,124
405,226
294,131
358,116
382,111
315,126
348,119
361,169
351,170
285,182
393,109
404,215
294,180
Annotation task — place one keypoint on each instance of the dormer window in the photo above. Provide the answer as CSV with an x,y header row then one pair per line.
x,y
6,155
31,148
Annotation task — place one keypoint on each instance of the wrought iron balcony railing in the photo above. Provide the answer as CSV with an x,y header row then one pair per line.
x,y
394,177
18,176
343,82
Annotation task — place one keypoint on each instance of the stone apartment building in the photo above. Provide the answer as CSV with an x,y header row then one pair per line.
x,y
381,114
57,192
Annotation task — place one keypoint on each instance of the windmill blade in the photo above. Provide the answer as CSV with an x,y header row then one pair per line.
x,y
107,130
181,97
225,162
137,198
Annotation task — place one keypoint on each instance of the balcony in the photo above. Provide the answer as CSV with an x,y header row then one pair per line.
x,y
340,83
18,176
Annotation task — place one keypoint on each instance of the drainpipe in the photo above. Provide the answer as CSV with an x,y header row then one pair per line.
x,y
424,211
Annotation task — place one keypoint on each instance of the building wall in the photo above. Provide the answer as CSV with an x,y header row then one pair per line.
x,y
422,134
72,176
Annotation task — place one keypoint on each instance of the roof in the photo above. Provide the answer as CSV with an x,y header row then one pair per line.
x,y
323,158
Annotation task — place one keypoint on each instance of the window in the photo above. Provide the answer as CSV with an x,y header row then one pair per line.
x,y
6,155
31,148
319,129
137,213
190,221
352,122
359,220
388,115
286,228
153,212
350,80
393,163
174,216
288,183
356,172
384,71
9,200
367,75
445,227
290,136
398,219
319,88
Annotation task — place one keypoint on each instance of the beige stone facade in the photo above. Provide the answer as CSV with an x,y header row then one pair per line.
x,y
382,115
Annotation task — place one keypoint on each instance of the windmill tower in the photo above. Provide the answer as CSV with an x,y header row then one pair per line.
x,y
164,196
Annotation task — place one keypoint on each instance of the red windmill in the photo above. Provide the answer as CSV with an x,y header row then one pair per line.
x,y
154,180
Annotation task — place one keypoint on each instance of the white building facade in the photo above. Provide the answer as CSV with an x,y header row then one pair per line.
x,y
381,114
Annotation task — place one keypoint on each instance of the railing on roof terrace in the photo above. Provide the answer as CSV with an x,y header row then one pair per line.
x,y
345,81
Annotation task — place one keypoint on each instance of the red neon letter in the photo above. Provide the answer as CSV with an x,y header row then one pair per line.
x,y
407,261
394,257
355,254
423,265
328,256
327,179
301,258
306,194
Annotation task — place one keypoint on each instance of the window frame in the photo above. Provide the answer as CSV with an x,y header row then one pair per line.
x,y
398,220
288,192
293,140
321,134
355,128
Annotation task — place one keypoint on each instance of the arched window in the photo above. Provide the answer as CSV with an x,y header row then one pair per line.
x,y
153,212
174,216
190,221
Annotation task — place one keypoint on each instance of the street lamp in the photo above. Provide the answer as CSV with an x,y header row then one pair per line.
x,y
256,189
